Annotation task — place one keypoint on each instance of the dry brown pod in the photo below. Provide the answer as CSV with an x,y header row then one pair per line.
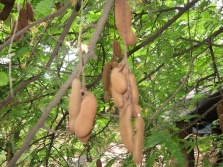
x,y
136,110
106,75
114,64
138,140
118,98
5,12
219,109
98,163
30,11
84,139
118,81
126,130
133,89
123,22
85,119
107,97
117,49
74,103
23,17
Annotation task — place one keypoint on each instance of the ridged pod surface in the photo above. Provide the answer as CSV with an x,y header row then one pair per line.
x,y
23,17
138,140
30,11
85,119
74,103
106,75
126,130
123,22
118,81
118,98
117,49
219,109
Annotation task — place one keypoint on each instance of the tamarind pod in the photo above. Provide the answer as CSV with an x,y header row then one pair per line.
x,y
114,64
136,110
126,130
7,2
85,119
30,12
5,12
84,139
98,163
219,109
74,103
118,81
106,75
107,96
134,89
124,70
124,23
109,88
117,49
118,98
138,140
23,17
124,108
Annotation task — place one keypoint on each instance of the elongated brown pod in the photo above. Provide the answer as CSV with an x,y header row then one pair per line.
x,y
138,140
85,120
98,163
126,130
23,17
4,13
124,23
219,109
134,89
118,98
30,11
74,103
221,122
136,110
118,81
117,49
106,75
84,139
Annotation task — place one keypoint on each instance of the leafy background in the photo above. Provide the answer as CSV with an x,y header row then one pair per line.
x,y
179,48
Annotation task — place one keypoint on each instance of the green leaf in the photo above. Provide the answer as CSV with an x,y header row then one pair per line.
x,y
4,79
110,163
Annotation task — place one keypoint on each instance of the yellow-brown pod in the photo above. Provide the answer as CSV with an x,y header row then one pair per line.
x,y
136,110
98,163
134,89
219,109
4,13
85,119
30,12
125,70
118,98
123,22
23,17
74,103
117,49
114,64
106,75
118,81
107,97
138,140
126,130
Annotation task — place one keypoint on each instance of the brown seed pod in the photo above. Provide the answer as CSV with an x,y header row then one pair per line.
x,y
85,119
123,22
114,64
114,59
133,89
126,130
107,97
219,109
5,12
23,17
118,81
74,103
98,163
124,70
106,75
117,49
7,2
84,139
138,140
221,122
136,110
118,98
30,11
